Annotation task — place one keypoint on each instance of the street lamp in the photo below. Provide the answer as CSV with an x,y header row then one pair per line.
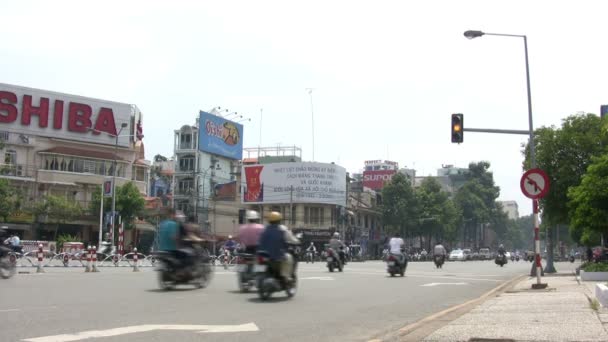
x,y
471,34
116,136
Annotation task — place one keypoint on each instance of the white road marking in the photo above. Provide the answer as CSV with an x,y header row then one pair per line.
x,y
437,284
317,278
427,276
144,328
9,310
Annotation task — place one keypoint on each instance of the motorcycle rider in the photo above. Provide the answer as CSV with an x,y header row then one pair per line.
x,y
396,245
249,233
14,243
275,241
338,246
312,249
501,250
168,234
440,250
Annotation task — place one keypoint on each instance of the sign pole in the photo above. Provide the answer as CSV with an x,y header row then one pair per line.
x,y
100,235
537,243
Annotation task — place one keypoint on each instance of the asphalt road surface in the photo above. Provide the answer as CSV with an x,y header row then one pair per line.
x,y
355,305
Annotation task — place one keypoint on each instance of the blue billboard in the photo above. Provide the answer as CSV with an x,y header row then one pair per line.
x,y
220,136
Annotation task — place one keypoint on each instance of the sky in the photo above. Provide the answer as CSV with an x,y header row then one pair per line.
x,y
386,75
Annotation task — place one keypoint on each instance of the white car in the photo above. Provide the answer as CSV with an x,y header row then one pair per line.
x,y
457,254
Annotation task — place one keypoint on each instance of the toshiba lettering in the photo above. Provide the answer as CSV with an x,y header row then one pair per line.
x,y
80,115
31,111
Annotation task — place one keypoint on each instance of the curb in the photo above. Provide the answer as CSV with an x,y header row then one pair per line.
x,y
416,332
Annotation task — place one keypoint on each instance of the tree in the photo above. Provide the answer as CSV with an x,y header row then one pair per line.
x,y
589,202
564,154
8,203
399,205
437,213
129,203
160,158
57,210
476,200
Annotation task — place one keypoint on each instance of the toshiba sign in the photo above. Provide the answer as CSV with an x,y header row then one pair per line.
x,y
44,113
376,179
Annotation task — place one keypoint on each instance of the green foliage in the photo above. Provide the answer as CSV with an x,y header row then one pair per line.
x,y
8,199
65,238
129,203
399,207
57,209
438,217
589,201
564,154
595,267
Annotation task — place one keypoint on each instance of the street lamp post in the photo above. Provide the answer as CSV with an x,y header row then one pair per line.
x,y
537,268
122,126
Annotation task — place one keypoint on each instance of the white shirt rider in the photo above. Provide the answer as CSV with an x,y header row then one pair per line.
x,y
395,245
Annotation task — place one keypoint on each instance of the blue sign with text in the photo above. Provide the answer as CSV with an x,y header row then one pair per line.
x,y
220,136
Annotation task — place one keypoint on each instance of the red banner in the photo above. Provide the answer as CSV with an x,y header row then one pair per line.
x,y
376,179
254,192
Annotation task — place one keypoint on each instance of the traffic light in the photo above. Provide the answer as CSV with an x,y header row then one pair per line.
x,y
457,128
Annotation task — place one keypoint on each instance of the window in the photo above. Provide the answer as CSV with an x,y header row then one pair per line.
x,y
10,157
185,141
185,185
314,215
186,163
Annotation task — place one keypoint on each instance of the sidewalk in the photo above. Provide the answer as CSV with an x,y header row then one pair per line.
x,y
562,312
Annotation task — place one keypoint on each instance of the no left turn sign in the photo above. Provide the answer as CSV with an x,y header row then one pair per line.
x,y
534,183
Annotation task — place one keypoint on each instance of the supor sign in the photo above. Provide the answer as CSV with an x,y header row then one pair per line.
x,y
376,179
43,113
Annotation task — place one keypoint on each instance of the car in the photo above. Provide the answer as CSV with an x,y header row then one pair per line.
x,y
484,254
457,254
468,255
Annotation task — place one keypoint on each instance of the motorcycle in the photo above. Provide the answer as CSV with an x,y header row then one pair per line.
x,y
172,272
439,260
517,258
571,258
334,261
7,266
245,271
269,279
501,260
394,266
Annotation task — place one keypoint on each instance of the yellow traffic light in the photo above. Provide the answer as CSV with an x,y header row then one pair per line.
x,y
457,128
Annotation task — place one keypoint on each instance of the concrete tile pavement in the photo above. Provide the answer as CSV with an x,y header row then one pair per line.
x,y
560,313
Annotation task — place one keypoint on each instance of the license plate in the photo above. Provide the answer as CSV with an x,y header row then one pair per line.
x,y
259,268
391,263
241,268
330,259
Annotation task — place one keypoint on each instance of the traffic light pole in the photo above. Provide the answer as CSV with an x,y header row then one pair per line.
x,y
491,130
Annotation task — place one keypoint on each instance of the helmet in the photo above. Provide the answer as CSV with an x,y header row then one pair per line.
x,y
252,215
179,216
336,235
312,243
275,216
229,236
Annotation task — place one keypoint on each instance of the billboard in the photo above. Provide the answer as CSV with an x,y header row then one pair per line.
x,y
38,112
220,136
376,179
298,182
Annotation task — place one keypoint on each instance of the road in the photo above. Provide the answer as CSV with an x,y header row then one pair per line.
x,y
355,305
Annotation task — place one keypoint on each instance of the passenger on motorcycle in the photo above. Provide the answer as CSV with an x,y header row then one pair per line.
x,y
396,245
275,241
338,246
440,250
249,233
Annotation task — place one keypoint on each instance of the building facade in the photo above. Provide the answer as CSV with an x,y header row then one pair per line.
x,y
66,145
511,208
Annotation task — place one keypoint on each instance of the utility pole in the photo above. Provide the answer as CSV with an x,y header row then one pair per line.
x,y
291,205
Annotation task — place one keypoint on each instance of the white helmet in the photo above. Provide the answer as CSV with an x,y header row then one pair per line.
x,y
229,236
336,235
252,215
179,216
